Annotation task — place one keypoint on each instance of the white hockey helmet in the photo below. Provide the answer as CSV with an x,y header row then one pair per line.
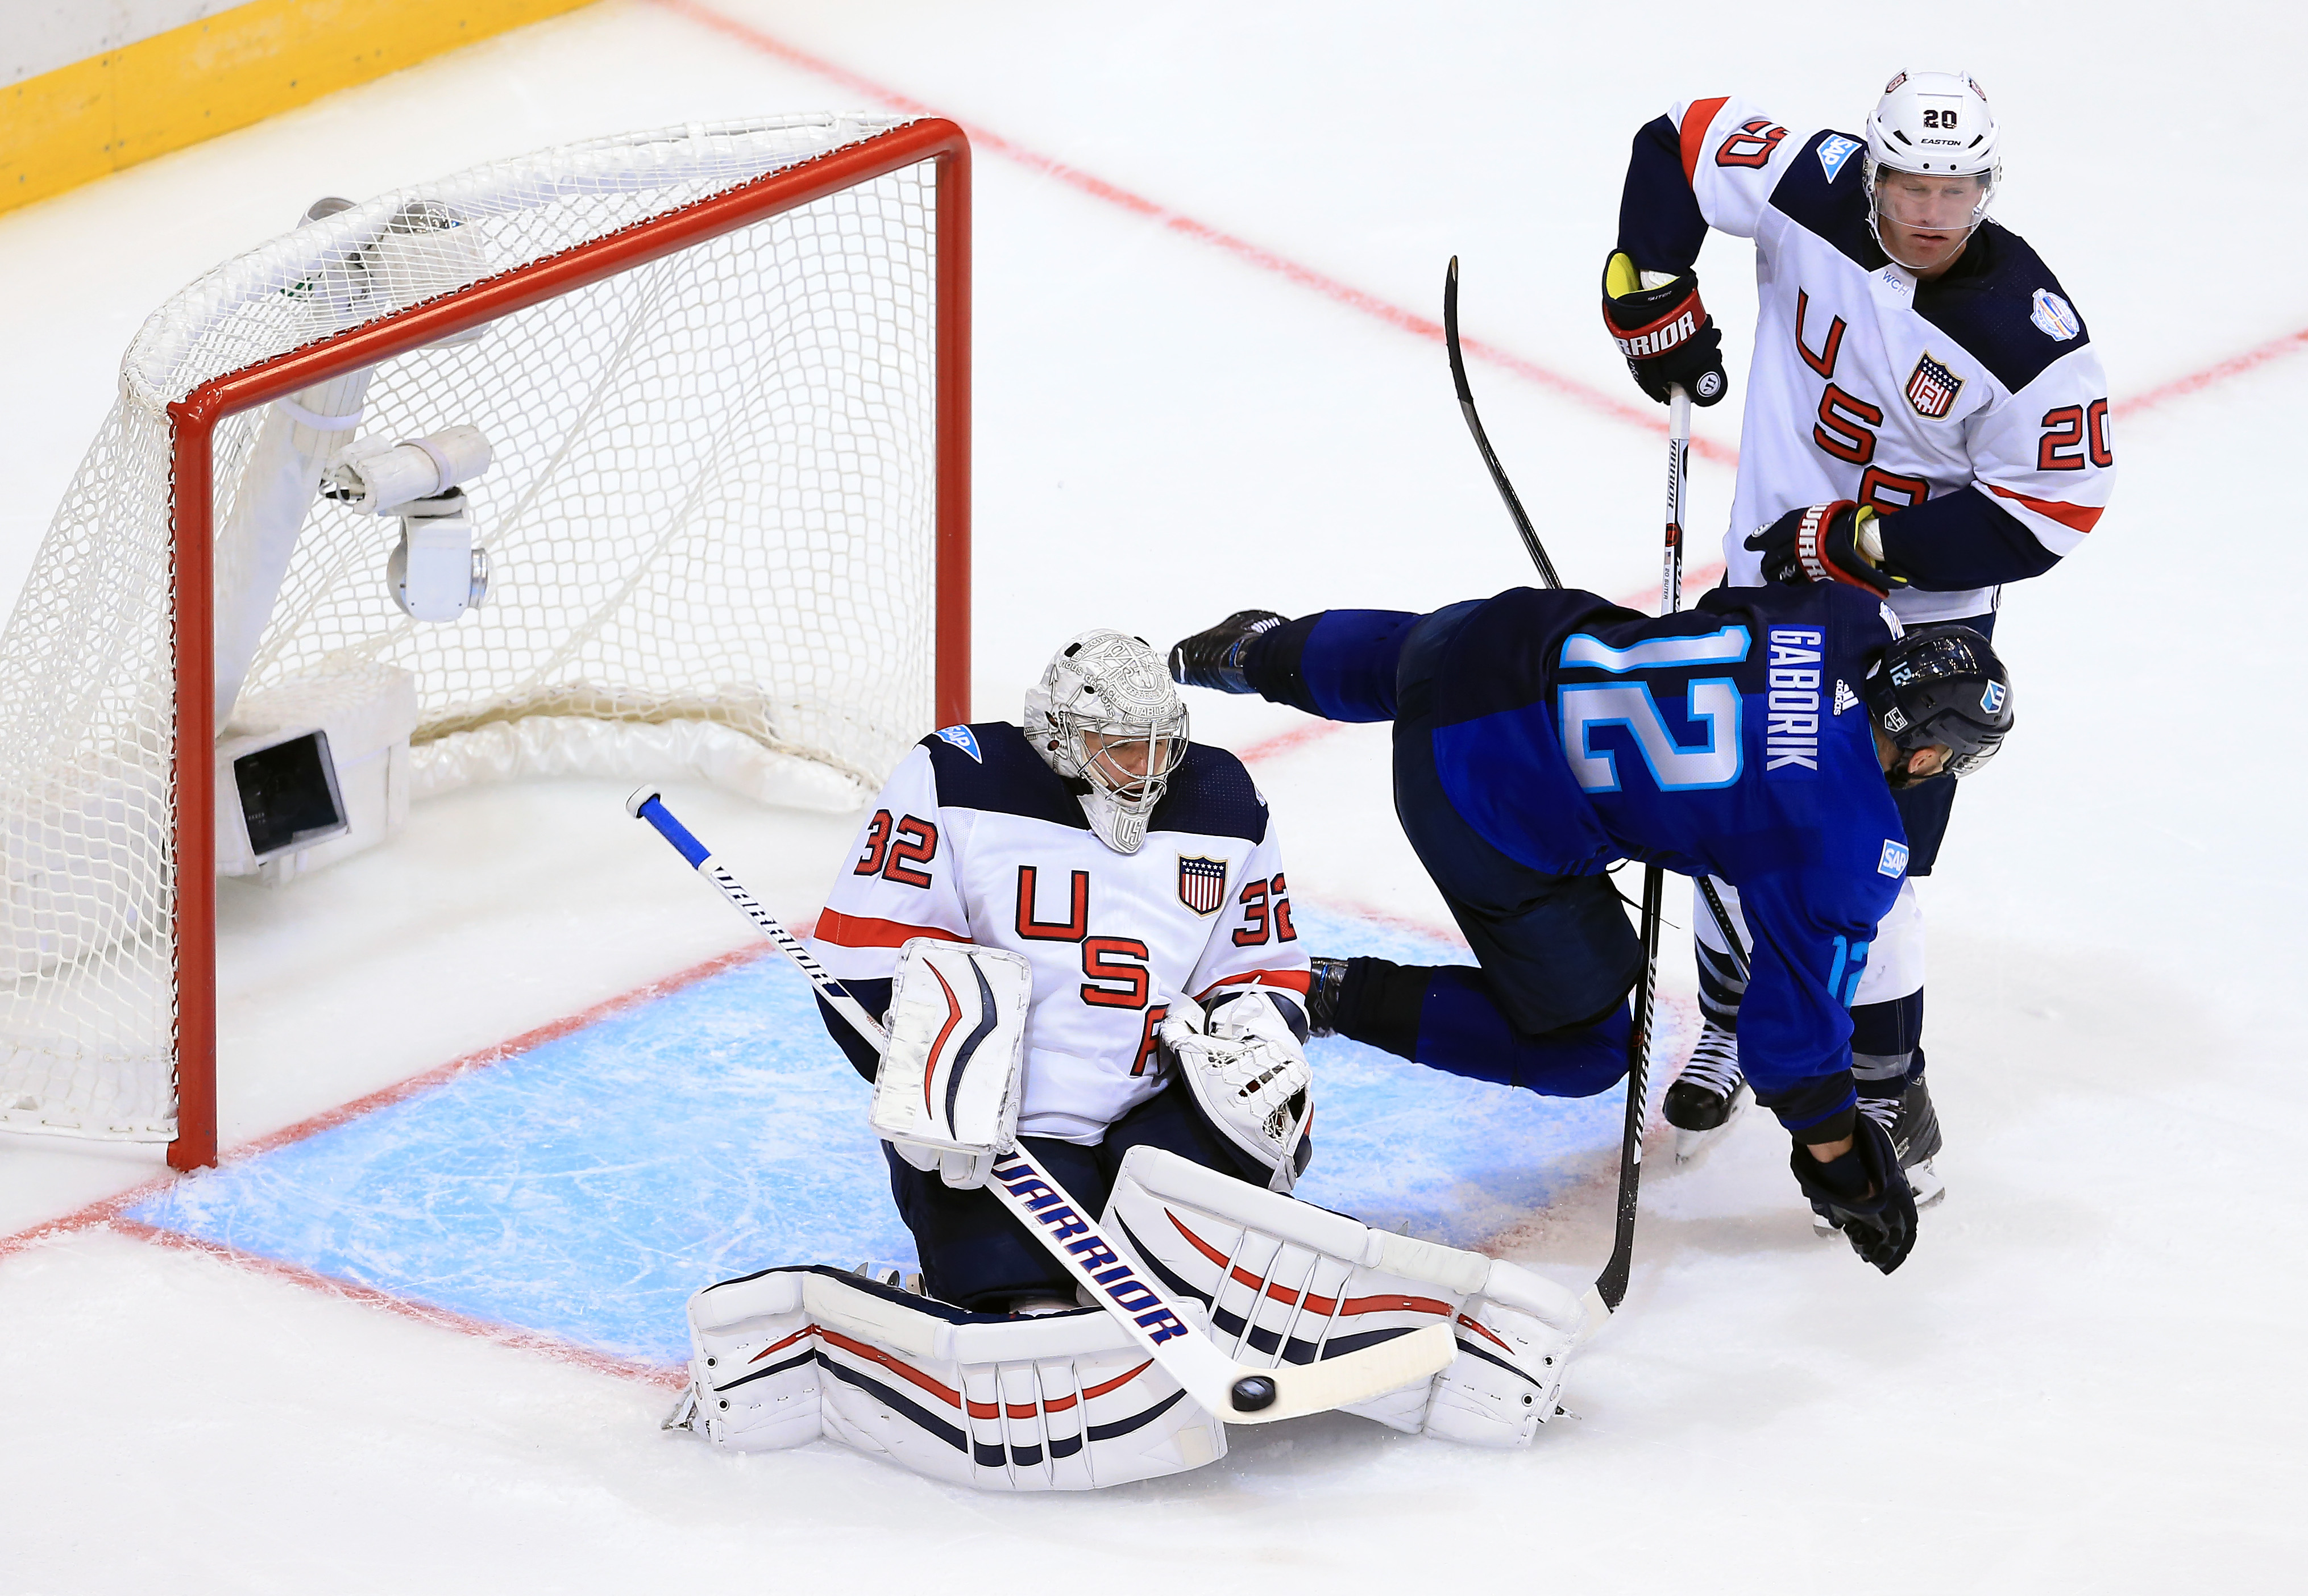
x,y
1105,714
1935,125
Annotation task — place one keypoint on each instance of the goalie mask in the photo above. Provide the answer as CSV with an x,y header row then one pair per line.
x,y
1106,716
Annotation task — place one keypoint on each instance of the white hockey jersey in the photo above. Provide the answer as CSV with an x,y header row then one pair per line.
x,y
1977,394
976,839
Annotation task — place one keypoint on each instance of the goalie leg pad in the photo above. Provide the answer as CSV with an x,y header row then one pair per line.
x,y
1061,1402
1289,1282
1514,1339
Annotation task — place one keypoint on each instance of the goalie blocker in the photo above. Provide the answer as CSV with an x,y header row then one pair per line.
x,y
1069,1400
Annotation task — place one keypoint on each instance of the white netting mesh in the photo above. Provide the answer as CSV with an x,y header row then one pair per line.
x,y
712,506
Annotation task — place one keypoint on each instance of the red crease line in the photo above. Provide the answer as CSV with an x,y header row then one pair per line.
x,y
105,1210
422,1313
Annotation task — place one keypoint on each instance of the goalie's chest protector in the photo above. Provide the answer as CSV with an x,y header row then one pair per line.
x,y
1008,861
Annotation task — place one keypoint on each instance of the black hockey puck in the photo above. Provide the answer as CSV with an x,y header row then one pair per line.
x,y
1253,1392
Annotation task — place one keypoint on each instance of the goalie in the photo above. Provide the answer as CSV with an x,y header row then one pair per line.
x,y
1078,935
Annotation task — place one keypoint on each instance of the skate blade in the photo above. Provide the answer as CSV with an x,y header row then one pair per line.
x,y
1692,1145
683,1411
1925,1181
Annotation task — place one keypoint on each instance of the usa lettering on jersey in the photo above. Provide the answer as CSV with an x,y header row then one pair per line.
x,y
1857,393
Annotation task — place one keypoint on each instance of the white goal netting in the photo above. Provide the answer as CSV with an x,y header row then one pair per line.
x,y
710,524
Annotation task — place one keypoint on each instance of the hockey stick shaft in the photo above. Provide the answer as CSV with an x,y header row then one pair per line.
x,y
1232,1392
1538,557
1514,501
1611,1285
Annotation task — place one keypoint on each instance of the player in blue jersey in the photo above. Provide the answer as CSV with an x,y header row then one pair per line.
x,y
1543,736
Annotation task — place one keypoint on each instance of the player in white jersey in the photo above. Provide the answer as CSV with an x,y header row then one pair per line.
x,y
1131,867
1926,419
1114,893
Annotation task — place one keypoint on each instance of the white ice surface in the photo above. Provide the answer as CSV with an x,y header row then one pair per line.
x,y
2083,1380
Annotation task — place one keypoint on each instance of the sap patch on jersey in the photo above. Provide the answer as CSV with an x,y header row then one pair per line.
x,y
2055,316
1833,152
1202,884
1894,862
964,739
1932,389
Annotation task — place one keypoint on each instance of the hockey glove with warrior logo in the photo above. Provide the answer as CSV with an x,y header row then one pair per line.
x,y
1864,1194
1664,333
1842,542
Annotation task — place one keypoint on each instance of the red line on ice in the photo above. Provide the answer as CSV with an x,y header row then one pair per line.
x,y
1647,418
1699,579
2275,349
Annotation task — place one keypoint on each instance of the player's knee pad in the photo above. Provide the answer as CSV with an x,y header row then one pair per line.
x,y
1062,1402
1293,1283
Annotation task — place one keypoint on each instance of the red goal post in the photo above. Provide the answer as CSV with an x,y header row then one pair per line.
x,y
188,875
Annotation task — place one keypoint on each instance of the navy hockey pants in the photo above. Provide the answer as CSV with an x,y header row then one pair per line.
x,y
1545,1009
976,1255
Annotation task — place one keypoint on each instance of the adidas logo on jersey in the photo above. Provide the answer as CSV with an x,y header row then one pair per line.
x,y
1845,698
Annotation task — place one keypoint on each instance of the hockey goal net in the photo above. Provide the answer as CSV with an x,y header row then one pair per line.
x,y
723,372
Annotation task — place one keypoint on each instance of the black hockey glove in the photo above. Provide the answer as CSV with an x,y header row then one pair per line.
x,y
1218,658
1664,333
1841,542
1881,1227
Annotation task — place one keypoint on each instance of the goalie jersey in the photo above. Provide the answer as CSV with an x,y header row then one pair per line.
x,y
975,839
1971,410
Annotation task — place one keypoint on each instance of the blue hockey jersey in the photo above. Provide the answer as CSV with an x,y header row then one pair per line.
x,y
1729,740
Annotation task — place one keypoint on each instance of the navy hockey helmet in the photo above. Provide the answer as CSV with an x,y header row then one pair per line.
x,y
1942,684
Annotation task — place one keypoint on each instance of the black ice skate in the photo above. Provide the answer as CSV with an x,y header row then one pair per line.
x,y
1915,1129
1709,1096
1214,659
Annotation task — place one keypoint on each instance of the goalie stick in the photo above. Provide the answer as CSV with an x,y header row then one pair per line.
x,y
1234,1393
1610,1287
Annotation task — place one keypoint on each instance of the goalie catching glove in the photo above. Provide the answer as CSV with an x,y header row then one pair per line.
x,y
1243,1061
1664,333
946,1094
1842,542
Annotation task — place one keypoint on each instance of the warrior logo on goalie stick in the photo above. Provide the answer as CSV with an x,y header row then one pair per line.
x,y
1932,389
1202,884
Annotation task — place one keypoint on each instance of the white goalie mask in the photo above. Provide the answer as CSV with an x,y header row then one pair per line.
x,y
1932,126
1105,714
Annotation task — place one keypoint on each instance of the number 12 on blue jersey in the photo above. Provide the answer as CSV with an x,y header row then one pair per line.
x,y
1713,701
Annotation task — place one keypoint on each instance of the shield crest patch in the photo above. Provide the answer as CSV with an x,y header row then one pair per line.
x,y
1202,884
1932,389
